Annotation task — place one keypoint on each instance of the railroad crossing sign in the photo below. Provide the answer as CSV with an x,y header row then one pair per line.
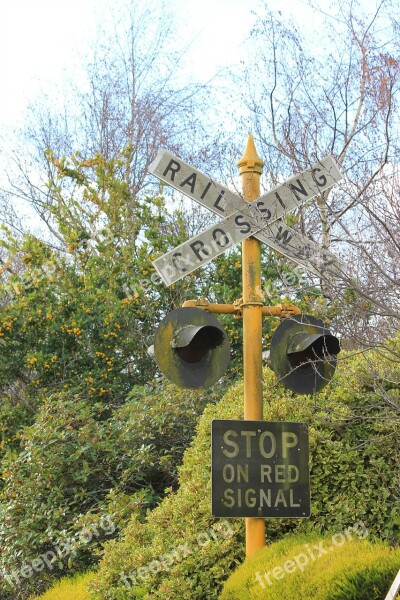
x,y
241,219
259,216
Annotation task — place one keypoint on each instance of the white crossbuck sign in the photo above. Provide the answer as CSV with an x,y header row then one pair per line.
x,y
241,219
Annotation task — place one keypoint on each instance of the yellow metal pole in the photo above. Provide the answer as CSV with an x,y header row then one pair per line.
x,y
250,168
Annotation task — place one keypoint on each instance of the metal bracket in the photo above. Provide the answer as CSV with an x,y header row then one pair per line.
x,y
236,309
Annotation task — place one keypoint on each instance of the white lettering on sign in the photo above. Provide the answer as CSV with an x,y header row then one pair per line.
x,y
279,473
259,469
243,219
261,498
267,443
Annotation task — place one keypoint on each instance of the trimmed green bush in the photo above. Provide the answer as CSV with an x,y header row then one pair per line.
x,y
354,447
69,588
337,567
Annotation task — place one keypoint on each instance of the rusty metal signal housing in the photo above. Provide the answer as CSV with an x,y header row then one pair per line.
x,y
303,354
191,348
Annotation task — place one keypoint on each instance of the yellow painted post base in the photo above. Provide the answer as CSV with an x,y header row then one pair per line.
x,y
255,535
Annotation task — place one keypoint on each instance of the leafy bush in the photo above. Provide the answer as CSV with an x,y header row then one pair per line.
x,y
354,447
80,475
339,567
69,588
13,417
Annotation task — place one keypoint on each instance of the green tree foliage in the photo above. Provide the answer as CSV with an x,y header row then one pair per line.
x,y
79,477
80,310
354,445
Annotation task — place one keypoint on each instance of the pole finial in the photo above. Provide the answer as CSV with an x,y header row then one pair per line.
x,y
250,161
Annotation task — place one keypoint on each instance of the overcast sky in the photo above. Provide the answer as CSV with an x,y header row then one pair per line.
x,y
43,43
41,40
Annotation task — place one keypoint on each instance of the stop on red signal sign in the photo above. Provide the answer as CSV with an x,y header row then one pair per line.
x,y
260,469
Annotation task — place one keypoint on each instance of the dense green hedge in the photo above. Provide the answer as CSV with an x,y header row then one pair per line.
x,y
354,445
344,566
81,473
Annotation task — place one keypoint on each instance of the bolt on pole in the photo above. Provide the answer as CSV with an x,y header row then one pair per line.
x,y
250,167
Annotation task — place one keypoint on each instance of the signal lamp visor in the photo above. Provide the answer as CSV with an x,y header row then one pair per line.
x,y
191,348
192,344
303,354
